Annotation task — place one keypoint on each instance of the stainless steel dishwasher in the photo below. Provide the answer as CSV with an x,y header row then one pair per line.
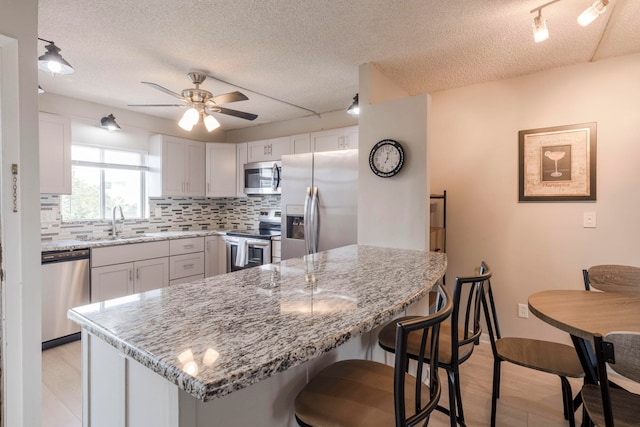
x,y
65,284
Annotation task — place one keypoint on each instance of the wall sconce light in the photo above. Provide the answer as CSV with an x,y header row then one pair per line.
x,y
40,90
52,61
592,12
354,109
109,123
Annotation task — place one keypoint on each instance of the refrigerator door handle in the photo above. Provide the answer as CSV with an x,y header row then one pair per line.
x,y
307,219
315,222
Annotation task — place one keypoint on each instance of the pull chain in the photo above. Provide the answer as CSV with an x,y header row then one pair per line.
x,y
14,171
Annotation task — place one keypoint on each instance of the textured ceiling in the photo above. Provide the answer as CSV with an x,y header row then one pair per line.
x,y
307,52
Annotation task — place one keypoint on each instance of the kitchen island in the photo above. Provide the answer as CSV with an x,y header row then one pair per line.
x,y
235,349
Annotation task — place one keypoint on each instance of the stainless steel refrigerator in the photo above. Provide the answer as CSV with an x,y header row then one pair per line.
x,y
319,201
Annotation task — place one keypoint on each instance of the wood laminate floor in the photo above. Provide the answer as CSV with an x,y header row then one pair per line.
x,y
528,398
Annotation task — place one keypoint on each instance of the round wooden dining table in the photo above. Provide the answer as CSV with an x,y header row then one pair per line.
x,y
586,313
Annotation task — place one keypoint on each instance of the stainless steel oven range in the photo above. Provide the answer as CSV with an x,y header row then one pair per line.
x,y
251,248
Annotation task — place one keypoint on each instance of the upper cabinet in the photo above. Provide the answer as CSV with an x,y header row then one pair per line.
x,y
221,170
335,139
267,150
55,154
300,143
176,167
241,159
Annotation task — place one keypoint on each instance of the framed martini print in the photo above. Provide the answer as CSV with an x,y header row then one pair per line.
x,y
557,164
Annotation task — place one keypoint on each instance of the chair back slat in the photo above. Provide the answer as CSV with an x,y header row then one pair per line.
x,y
472,328
613,278
430,328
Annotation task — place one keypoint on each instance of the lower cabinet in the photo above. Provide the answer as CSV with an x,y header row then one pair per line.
x,y
118,280
215,261
186,262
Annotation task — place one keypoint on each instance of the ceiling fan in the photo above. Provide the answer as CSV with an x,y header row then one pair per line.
x,y
201,103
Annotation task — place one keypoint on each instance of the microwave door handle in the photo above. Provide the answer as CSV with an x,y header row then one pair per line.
x,y
306,219
315,224
275,177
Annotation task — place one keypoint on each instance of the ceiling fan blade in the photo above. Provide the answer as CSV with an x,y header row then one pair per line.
x,y
156,105
165,90
226,98
235,113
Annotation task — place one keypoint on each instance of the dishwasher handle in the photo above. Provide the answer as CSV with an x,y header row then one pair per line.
x,y
62,256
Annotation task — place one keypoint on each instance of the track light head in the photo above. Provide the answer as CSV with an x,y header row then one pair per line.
x,y
52,61
540,29
592,12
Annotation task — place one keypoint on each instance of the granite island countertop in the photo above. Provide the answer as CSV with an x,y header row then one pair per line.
x,y
221,334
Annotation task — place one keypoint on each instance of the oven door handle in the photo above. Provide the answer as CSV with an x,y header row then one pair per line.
x,y
260,243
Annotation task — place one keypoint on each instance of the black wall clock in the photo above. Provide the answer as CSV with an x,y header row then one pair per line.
x,y
386,158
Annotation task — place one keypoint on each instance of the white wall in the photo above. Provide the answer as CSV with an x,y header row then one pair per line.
x,y
89,114
20,230
392,211
537,246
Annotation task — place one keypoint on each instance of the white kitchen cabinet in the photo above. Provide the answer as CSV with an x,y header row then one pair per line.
x,y
221,170
267,150
114,281
121,270
215,251
300,143
335,139
176,167
55,154
186,261
241,159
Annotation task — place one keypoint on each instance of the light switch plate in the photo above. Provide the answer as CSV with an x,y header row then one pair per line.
x,y
589,220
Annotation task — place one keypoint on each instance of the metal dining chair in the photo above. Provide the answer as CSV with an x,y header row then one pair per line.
x,y
613,278
608,406
543,356
368,393
457,339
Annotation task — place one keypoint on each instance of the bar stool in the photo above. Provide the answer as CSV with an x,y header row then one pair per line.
x,y
457,338
368,393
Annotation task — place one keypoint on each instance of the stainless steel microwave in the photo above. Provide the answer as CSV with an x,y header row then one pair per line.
x,y
262,177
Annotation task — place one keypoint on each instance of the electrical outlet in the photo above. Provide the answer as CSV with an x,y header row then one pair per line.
x,y
523,311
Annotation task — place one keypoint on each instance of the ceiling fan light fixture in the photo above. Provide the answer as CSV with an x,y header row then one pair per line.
x,y
109,123
592,12
540,29
211,123
354,109
185,124
52,61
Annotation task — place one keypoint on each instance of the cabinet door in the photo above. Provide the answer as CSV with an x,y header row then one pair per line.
x,y
55,154
150,274
173,170
279,147
350,138
257,151
186,265
194,169
111,281
215,256
221,170
241,159
327,140
300,143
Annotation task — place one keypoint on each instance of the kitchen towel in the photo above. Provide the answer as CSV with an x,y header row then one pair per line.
x,y
242,254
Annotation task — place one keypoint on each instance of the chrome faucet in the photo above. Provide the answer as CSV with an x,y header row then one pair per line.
x,y
114,232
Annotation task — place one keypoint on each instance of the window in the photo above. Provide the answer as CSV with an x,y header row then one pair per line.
x,y
102,178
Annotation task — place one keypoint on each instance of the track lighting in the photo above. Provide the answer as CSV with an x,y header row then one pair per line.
x,y
52,61
592,12
109,123
540,30
354,109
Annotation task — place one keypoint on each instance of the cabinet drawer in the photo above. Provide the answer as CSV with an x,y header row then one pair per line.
x,y
119,254
186,246
186,265
186,279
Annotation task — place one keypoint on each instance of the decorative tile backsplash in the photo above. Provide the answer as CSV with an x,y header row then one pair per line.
x,y
176,214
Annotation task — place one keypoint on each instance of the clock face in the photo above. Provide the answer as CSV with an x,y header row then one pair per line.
x,y
386,158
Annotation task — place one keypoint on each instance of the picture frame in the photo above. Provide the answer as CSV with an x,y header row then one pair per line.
x,y
557,164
